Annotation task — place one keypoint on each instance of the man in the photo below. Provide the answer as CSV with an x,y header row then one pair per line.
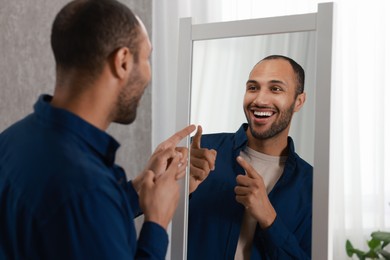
x,y
257,204
61,194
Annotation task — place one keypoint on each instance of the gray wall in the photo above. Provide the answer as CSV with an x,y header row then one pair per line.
x,y
27,70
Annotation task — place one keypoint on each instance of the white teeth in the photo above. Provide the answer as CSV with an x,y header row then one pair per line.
x,y
260,113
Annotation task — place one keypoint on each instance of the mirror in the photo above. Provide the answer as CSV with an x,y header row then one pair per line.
x,y
313,30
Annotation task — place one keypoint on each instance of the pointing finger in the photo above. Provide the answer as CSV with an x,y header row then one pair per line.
x,y
172,141
196,139
248,168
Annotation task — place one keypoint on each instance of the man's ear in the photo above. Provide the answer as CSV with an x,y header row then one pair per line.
x,y
299,101
122,62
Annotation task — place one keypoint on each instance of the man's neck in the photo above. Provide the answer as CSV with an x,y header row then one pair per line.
x,y
275,146
93,101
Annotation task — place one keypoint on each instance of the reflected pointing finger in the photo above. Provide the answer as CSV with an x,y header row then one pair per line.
x,y
250,171
197,137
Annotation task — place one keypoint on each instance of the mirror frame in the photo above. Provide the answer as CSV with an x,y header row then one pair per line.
x,y
321,22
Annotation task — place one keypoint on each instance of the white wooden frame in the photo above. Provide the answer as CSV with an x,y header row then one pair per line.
x,y
320,22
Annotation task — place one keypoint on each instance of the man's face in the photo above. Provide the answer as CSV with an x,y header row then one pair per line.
x,y
269,100
139,78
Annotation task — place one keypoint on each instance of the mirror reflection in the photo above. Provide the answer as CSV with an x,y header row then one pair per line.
x,y
220,69
226,79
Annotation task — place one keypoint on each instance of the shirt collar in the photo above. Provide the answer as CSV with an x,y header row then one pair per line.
x,y
105,145
241,140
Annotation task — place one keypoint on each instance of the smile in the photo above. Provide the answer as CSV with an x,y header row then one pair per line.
x,y
262,114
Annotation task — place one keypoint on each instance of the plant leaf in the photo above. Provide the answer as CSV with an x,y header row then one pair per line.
x,y
359,253
371,254
374,244
349,248
382,236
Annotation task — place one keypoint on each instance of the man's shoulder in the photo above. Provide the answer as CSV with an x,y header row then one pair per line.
x,y
214,140
294,156
298,169
218,136
16,127
303,163
46,166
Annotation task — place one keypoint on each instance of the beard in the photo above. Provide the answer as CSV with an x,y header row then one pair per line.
x,y
128,99
276,127
126,109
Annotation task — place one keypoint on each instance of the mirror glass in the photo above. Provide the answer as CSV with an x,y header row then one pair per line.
x,y
221,68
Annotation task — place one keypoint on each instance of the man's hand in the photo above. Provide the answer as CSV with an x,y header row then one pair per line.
x,y
163,155
202,161
252,194
159,196
157,185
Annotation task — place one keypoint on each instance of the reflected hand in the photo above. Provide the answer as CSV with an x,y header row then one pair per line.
x,y
252,194
202,161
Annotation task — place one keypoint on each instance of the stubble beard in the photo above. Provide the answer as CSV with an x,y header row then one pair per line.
x,y
276,127
126,109
128,99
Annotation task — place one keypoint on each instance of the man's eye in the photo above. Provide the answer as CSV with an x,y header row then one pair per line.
x,y
251,87
276,89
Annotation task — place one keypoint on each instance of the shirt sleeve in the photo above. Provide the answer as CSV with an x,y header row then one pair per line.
x,y
152,242
132,195
282,244
134,199
97,225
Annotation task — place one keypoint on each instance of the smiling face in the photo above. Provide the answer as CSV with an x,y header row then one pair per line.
x,y
270,99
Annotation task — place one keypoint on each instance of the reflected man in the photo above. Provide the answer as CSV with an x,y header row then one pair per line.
x,y
257,203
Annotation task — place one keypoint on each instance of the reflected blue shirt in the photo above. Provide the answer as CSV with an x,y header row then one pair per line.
x,y
63,197
215,216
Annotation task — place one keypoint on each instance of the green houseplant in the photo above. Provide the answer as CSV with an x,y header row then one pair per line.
x,y
379,240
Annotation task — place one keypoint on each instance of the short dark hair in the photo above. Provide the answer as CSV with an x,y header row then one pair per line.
x,y
298,70
86,32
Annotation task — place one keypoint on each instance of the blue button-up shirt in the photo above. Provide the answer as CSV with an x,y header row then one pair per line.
x,y
215,217
62,196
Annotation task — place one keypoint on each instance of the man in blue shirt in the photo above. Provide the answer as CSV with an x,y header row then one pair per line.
x,y
257,202
61,194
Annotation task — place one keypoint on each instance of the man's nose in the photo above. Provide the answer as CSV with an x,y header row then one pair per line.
x,y
262,98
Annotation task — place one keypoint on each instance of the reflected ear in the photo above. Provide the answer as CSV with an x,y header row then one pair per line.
x,y
122,62
299,101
